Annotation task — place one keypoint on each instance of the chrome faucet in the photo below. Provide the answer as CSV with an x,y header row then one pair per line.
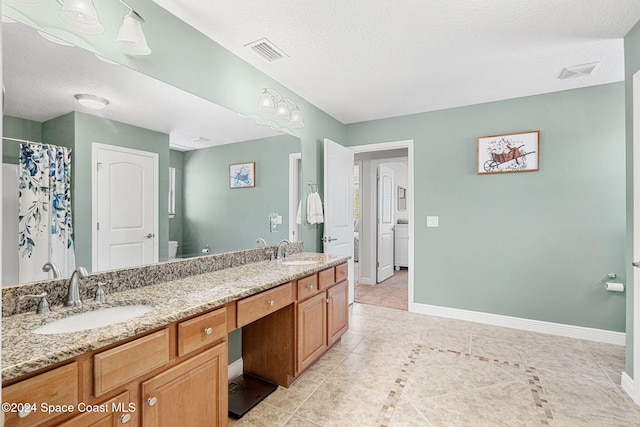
x,y
260,240
281,253
49,266
73,292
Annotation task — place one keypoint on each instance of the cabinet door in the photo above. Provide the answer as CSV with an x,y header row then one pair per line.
x,y
312,330
337,312
191,394
118,411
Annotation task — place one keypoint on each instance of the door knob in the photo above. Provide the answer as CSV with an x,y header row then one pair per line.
x,y
636,264
328,239
149,236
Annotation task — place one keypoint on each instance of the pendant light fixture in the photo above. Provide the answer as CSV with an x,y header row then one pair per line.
x,y
80,15
284,110
131,39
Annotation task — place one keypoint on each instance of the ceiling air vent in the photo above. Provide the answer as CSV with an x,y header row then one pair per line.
x,y
267,50
578,70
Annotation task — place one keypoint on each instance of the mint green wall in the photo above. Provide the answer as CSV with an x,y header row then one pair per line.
x,y
176,160
531,245
15,127
231,219
632,65
90,129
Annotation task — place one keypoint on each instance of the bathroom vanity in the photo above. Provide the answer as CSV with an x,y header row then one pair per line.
x,y
168,367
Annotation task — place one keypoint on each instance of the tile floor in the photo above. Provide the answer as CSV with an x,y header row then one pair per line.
x,y
392,293
395,368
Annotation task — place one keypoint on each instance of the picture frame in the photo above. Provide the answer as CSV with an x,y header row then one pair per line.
x,y
510,152
242,175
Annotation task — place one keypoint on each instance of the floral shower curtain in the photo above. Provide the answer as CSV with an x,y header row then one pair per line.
x,y
45,230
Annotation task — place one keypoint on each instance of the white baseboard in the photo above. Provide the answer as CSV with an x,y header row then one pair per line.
x,y
591,334
628,386
235,368
366,281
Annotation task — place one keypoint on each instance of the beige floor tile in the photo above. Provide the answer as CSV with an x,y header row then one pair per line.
x,y
577,402
501,405
406,415
297,421
263,415
290,399
342,404
375,372
498,349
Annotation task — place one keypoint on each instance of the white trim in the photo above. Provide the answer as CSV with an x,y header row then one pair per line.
x,y
236,368
634,390
408,144
294,195
94,199
580,332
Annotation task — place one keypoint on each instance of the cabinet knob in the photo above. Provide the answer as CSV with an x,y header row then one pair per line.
x,y
208,330
328,299
271,303
152,401
125,418
310,287
26,410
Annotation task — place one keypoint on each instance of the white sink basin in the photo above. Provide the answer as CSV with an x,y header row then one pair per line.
x,y
299,262
93,319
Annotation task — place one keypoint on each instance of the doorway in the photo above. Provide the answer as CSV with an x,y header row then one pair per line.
x,y
383,174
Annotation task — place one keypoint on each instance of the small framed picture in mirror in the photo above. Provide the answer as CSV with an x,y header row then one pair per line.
x,y
242,175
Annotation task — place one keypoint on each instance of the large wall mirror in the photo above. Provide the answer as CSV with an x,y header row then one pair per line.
x,y
147,129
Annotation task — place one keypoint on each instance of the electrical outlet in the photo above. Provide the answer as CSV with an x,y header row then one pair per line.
x,y
432,221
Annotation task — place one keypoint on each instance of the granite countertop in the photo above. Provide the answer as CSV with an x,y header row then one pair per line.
x,y
24,352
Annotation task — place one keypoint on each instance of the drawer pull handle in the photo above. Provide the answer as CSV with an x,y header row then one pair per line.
x,y
271,303
152,401
125,418
25,411
208,330
310,287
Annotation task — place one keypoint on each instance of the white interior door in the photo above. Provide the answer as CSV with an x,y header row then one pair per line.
x,y
125,207
385,223
338,204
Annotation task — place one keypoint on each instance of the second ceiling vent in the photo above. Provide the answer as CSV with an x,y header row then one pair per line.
x,y
267,50
578,70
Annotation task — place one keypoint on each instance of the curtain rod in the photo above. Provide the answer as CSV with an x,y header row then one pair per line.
x,y
31,142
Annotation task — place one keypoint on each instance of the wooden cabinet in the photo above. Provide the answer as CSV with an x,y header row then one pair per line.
x,y
57,387
337,312
201,331
114,412
120,365
312,330
193,393
261,305
323,318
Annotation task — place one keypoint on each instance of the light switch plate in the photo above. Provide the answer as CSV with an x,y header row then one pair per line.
x,y
432,221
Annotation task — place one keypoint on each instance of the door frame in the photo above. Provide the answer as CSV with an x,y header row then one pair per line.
x,y
295,194
392,145
95,146
633,389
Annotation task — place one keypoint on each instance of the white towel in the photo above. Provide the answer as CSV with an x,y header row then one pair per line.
x,y
299,214
314,209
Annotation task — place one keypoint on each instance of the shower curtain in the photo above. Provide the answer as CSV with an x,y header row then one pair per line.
x,y
45,231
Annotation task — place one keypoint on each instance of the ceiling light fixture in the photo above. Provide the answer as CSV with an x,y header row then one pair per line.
x,y
80,15
91,101
131,39
54,39
283,109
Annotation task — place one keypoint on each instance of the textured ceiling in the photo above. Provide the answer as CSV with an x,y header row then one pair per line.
x,y
367,59
41,79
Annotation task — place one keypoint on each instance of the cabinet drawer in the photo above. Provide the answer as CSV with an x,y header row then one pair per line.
x,y
264,303
56,387
326,278
201,331
342,271
114,412
307,287
118,366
